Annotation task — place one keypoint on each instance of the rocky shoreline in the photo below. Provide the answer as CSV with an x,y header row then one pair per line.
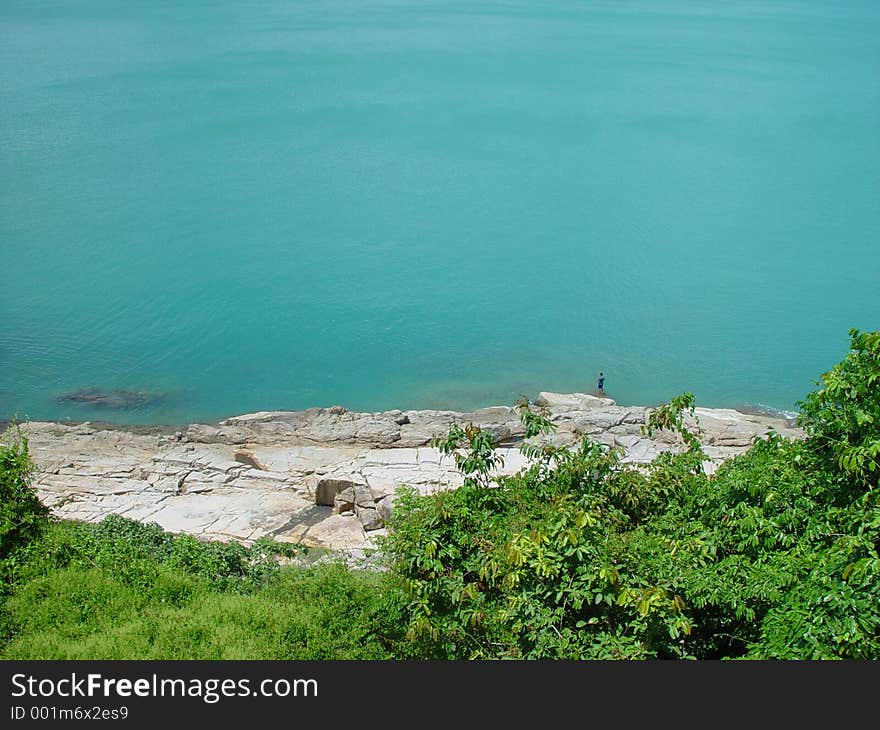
x,y
322,477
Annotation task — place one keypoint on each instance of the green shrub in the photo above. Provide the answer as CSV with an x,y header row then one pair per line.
x,y
134,552
843,415
531,568
22,515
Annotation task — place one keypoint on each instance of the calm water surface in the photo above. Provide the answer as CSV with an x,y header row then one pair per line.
x,y
262,204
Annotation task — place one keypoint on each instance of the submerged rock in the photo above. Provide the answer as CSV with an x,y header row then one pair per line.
x,y
117,399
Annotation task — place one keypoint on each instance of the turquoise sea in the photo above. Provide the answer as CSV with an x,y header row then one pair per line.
x,y
245,205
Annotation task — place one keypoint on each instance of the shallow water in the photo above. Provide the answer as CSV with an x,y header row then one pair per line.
x,y
238,206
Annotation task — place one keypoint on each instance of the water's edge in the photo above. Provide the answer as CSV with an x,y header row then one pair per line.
x,y
165,429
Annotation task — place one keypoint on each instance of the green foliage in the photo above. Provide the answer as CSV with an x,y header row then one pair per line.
x,y
135,553
473,450
834,609
530,569
670,416
843,415
536,424
22,516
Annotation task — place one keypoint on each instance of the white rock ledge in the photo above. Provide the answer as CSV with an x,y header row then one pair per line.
x,y
261,474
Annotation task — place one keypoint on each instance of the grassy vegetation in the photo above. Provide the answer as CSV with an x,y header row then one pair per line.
x,y
122,590
580,556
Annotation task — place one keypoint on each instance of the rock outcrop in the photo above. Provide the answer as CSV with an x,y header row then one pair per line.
x,y
323,476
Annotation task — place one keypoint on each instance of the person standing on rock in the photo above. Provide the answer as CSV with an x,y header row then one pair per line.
x,y
601,384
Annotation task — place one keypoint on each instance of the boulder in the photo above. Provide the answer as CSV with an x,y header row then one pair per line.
x,y
385,505
344,501
363,497
328,486
370,518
